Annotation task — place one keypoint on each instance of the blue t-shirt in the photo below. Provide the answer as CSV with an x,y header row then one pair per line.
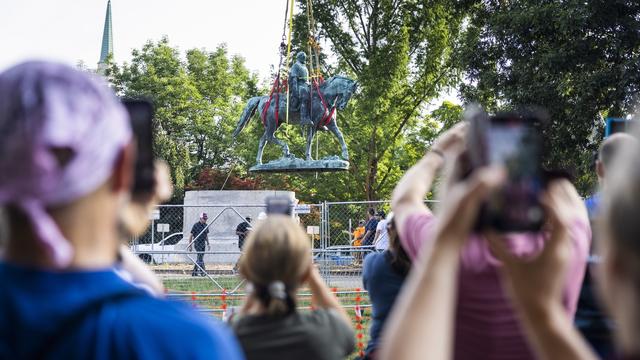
x,y
34,305
371,226
384,284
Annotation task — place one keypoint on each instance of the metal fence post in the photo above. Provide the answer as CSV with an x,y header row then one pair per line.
x,y
323,247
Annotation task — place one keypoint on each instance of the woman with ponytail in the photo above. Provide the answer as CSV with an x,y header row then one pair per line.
x,y
276,262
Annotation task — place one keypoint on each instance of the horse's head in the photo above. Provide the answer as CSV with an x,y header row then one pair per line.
x,y
343,88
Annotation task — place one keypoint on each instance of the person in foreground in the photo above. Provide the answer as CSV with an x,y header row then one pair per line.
x,y
276,262
609,148
67,163
383,275
616,276
591,319
485,324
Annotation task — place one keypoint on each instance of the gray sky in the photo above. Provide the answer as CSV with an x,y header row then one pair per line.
x,y
71,30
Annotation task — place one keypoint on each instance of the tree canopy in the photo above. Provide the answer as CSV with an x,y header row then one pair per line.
x,y
401,54
198,99
578,59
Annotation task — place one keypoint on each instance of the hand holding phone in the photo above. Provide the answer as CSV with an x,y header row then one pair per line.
x,y
511,140
141,116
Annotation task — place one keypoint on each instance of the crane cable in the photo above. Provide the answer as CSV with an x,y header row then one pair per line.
x,y
289,51
279,70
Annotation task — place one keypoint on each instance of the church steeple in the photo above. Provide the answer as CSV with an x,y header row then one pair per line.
x,y
107,40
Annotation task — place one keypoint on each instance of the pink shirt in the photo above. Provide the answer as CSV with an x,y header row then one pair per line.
x,y
486,326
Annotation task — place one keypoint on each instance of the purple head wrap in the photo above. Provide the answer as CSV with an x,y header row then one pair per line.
x,y
47,107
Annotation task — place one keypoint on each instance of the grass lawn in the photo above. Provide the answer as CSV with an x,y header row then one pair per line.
x,y
206,295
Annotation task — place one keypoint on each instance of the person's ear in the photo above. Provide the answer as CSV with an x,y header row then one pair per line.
x,y
600,169
123,170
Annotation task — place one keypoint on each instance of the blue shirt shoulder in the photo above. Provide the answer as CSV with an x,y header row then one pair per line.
x,y
173,331
35,304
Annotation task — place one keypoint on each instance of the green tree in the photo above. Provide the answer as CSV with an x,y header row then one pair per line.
x,y
580,59
400,52
198,101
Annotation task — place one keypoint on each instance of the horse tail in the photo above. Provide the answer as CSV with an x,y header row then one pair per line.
x,y
247,114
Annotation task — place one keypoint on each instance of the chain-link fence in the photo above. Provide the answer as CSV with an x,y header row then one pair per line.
x,y
169,245
213,284
347,240
333,229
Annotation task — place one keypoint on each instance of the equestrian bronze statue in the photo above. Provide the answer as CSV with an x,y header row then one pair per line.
x,y
311,106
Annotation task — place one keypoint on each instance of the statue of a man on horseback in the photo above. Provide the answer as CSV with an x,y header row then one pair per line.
x,y
322,104
299,88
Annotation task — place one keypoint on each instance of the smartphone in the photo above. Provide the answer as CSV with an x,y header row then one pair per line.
x,y
279,205
141,117
513,141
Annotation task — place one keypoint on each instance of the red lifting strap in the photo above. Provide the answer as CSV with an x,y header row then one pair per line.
x,y
326,119
275,88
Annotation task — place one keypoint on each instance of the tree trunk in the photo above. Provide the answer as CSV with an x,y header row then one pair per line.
x,y
372,170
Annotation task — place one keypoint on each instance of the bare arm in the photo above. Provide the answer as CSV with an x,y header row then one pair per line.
x,y
553,335
134,219
140,272
409,195
425,310
321,296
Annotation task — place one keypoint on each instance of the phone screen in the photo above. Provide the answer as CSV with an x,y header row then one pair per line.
x,y
141,115
516,146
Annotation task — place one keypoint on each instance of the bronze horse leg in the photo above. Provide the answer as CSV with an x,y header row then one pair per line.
x,y
333,127
311,132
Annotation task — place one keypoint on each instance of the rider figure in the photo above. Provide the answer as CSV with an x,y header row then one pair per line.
x,y
299,85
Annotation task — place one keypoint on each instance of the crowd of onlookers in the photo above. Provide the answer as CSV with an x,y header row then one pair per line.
x,y
439,287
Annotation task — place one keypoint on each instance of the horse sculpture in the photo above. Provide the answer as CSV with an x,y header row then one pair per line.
x,y
332,94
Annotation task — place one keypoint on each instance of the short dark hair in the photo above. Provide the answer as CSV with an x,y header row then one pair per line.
x,y
372,211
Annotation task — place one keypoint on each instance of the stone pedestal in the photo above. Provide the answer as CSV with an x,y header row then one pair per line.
x,y
293,164
225,210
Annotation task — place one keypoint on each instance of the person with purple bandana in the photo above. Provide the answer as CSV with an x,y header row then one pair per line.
x,y
486,326
66,166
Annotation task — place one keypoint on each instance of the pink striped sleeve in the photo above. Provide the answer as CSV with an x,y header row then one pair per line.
x,y
417,231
